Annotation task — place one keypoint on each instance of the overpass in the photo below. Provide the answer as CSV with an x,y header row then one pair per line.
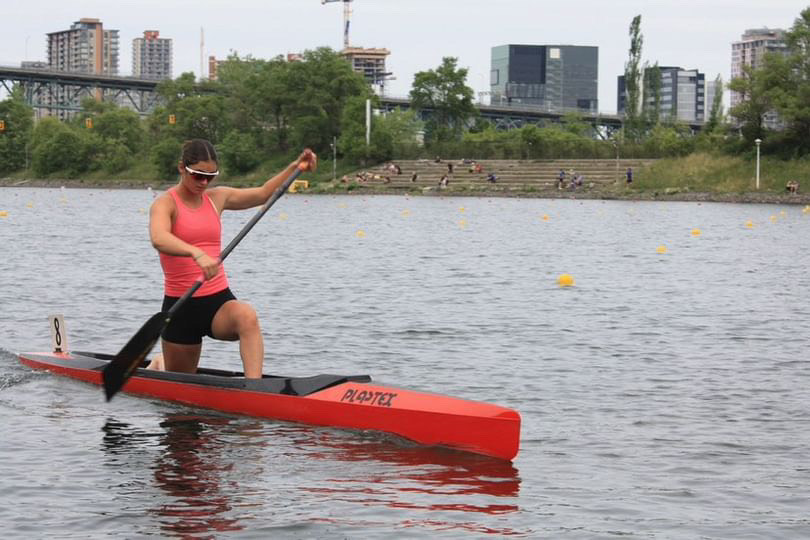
x,y
62,91
511,116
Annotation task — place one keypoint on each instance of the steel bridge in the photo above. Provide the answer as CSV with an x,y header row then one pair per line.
x,y
61,92
512,116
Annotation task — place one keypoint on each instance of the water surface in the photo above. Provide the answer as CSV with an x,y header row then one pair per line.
x,y
664,395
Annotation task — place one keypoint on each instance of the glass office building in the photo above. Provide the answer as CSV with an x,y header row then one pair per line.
x,y
555,77
685,95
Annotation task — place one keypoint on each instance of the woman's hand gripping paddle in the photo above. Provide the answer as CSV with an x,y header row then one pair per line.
x,y
130,357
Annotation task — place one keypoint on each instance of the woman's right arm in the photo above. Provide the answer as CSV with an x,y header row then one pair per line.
x,y
160,232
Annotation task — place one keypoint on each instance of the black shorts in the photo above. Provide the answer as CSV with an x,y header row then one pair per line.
x,y
193,320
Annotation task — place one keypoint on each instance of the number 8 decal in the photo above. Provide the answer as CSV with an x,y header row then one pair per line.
x,y
58,336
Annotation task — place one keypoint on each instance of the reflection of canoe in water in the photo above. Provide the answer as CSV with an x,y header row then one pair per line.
x,y
325,400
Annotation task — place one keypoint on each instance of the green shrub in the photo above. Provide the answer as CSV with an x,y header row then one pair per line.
x,y
239,152
165,155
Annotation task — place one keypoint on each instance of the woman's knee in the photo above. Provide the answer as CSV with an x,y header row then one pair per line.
x,y
246,318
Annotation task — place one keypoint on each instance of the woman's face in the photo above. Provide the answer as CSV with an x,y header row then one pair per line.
x,y
197,176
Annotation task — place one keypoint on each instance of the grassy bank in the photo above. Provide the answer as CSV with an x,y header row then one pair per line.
x,y
142,174
698,176
709,173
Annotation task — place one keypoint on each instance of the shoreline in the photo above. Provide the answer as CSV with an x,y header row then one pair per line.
x,y
596,193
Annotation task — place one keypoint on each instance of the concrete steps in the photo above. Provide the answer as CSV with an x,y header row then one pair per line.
x,y
511,174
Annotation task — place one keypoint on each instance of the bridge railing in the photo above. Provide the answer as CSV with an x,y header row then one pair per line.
x,y
522,107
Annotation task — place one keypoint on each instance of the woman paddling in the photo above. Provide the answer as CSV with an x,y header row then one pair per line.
x,y
185,228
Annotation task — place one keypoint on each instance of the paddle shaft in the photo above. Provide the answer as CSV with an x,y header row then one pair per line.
x,y
238,238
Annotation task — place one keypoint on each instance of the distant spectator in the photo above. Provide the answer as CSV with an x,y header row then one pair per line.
x,y
437,160
561,179
414,177
492,178
449,168
629,175
397,168
478,168
792,186
444,181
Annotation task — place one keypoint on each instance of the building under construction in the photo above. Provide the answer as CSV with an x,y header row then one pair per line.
x,y
369,62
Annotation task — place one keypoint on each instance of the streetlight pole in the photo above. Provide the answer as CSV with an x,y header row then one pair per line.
x,y
758,142
616,146
334,158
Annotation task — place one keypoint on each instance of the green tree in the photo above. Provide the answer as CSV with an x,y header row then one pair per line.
x,y
259,99
445,93
239,152
58,147
716,117
199,110
14,140
320,87
123,126
352,141
574,122
632,81
786,79
165,155
652,95
755,103
113,156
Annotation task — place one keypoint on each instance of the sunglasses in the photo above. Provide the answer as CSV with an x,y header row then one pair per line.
x,y
201,175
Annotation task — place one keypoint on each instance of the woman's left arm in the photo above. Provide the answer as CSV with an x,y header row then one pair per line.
x,y
241,198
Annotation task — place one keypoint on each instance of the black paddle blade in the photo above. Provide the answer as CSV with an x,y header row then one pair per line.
x,y
116,373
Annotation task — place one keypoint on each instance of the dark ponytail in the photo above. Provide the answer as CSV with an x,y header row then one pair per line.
x,y
197,150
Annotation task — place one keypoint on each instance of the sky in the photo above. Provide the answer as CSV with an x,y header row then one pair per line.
x,y
693,34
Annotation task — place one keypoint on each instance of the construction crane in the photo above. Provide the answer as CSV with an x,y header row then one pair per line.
x,y
347,15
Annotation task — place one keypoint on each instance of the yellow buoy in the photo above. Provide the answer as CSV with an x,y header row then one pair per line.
x,y
3,213
545,217
774,219
462,223
565,280
406,213
461,209
29,205
360,234
661,249
806,209
782,213
695,232
749,224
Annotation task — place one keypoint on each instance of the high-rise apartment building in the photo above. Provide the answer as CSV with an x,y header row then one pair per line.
x,y
555,77
152,56
750,51
685,96
85,48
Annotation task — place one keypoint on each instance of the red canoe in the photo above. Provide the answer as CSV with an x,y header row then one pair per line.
x,y
352,402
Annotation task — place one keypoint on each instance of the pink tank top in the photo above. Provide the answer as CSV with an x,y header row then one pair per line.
x,y
199,227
